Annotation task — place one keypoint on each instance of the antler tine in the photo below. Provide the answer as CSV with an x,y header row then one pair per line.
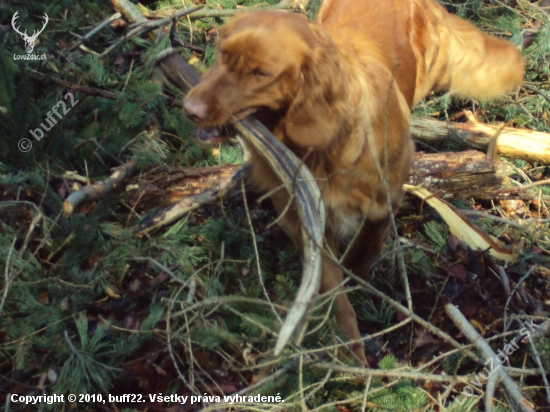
x,y
13,19
35,34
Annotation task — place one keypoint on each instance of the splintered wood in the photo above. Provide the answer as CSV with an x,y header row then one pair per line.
x,y
515,143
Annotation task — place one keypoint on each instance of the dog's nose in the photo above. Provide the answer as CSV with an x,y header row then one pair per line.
x,y
194,109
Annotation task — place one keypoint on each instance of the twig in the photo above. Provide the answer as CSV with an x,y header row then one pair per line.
x,y
269,378
33,224
7,276
530,185
394,373
95,30
534,89
256,253
365,399
98,145
385,180
487,352
191,384
513,293
147,26
98,190
128,79
161,267
484,215
93,91
490,392
192,290
128,10
231,12
536,355
71,346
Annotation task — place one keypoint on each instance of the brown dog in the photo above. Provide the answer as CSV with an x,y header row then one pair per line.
x,y
338,93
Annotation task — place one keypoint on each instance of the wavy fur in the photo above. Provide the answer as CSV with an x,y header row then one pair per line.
x,y
338,92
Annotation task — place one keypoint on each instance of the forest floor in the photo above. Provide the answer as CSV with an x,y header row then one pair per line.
x,y
194,309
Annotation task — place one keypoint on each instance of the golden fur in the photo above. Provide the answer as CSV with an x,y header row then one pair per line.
x,y
338,93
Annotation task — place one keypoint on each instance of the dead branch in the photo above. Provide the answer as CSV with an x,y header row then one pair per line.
x,y
524,144
187,204
146,26
92,91
95,30
98,190
487,352
128,10
448,175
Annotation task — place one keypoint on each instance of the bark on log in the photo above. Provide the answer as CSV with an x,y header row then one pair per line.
x,y
524,144
162,186
450,175
458,175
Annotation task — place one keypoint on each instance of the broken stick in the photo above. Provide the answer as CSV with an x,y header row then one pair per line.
x,y
98,190
515,143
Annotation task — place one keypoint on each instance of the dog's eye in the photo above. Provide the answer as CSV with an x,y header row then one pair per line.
x,y
259,73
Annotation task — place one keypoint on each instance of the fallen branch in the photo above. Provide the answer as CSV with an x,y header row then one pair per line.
x,y
487,353
187,204
95,30
524,144
231,12
128,10
146,26
448,175
92,91
98,190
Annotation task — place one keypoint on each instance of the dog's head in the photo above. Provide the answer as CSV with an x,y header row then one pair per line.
x,y
263,61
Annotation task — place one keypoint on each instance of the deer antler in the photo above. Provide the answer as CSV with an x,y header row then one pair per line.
x,y
34,34
25,35
15,16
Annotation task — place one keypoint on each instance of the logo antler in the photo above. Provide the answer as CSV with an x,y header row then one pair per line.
x,y
29,40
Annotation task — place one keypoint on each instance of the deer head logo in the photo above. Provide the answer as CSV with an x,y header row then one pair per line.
x,y
29,40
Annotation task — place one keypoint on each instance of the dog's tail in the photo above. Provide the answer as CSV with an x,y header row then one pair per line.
x,y
455,55
479,65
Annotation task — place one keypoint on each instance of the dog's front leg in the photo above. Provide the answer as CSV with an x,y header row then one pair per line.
x,y
346,318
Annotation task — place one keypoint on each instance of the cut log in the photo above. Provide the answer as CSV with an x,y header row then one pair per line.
x,y
524,144
458,175
450,175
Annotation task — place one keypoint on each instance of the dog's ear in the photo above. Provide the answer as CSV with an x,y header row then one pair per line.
x,y
317,111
